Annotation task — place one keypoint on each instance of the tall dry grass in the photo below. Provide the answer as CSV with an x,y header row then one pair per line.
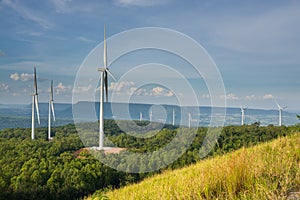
x,y
266,171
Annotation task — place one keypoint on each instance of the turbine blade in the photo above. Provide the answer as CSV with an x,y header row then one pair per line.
x,y
37,108
106,84
279,107
111,74
51,90
104,49
35,82
52,108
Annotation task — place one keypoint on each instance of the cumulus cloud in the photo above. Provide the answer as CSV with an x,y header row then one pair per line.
x,y
15,76
61,88
159,91
230,96
26,77
250,97
268,96
129,88
81,89
21,77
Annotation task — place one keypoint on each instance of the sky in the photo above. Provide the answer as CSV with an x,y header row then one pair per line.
x,y
255,46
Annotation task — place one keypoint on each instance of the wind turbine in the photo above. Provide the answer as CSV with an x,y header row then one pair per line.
x,y
141,116
104,72
150,115
173,118
35,105
243,114
190,119
51,110
280,109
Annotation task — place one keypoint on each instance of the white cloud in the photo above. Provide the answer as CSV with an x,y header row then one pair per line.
x,y
129,88
15,76
4,87
21,77
159,91
250,97
230,96
26,77
126,87
140,2
81,89
61,88
27,14
268,96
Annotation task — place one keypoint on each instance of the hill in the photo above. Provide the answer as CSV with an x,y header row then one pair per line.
x,y
267,171
19,116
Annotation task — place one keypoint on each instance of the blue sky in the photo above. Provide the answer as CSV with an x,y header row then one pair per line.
x,y
255,45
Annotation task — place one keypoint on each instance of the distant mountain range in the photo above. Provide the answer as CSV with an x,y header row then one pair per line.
x,y
13,116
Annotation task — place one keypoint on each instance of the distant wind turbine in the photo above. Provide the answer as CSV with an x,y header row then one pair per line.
x,y
190,119
280,109
150,115
35,105
243,114
104,72
173,117
141,116
51,110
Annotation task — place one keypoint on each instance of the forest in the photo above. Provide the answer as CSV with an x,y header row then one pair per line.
x,y
42,169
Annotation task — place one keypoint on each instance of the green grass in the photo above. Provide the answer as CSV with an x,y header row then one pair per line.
x,y
266,171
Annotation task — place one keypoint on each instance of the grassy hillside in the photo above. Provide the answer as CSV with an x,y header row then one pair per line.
x,y
267,171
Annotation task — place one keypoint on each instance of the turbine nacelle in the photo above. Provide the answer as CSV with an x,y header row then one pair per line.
x,y
244,108
280,107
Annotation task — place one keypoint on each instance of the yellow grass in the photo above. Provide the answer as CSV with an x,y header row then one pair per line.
x,y
267,171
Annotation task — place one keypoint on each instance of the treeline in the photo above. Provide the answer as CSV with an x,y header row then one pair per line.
x,y
41,169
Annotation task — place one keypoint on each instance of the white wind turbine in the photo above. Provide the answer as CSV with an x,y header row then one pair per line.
x,y
141,116
35,105
280,109
51,110
243,114
173,117
150,115
190,119
104,71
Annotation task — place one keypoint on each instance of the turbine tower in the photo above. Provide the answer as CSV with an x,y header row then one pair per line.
x,y
280,109
51,110
35,105
173,118
104,72
243,114
190,119
141,116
